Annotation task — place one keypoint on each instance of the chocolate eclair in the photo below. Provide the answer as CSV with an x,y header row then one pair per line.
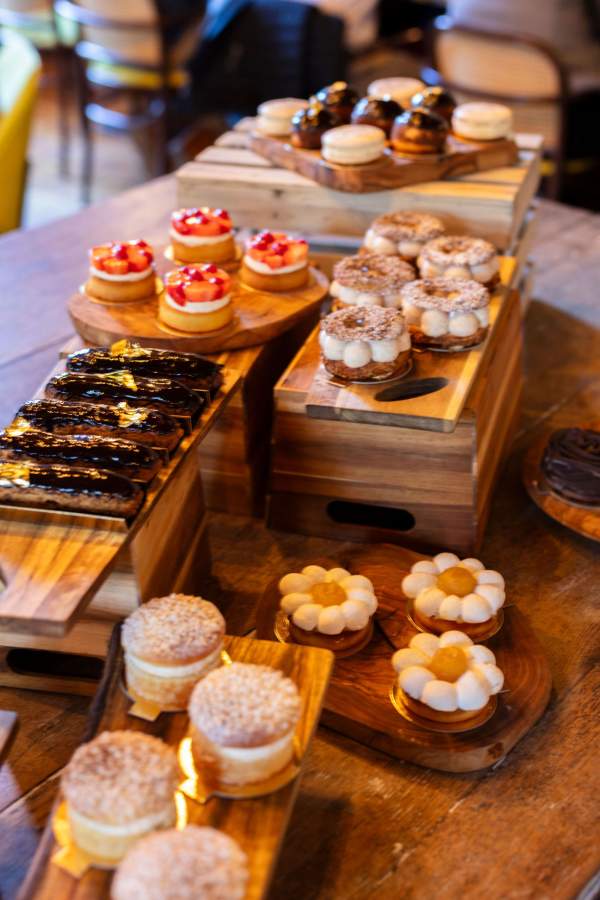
x,y
140,424
117,454
122,387
56,486
571,465
195,372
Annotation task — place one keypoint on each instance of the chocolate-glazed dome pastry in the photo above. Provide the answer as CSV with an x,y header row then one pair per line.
x,y
369,279
123,387
571,465
340,98
419,131
380,112
436,99
309,125
365,343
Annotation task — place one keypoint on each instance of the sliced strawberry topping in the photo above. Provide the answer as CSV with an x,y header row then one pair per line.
x,y
197,284
203,222
120,258
210,268
116,266
277,250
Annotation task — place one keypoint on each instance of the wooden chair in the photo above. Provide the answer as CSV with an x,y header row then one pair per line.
x,y
519,71
124,58
20,66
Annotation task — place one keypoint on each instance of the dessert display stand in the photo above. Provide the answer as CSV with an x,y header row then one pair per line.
x,y
68,577
258,823
358,702
8,727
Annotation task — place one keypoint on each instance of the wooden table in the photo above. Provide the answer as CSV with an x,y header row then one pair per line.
x,y
366,826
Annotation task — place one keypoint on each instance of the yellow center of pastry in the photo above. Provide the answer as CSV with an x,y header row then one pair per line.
x,y
457,580
448,663
328,593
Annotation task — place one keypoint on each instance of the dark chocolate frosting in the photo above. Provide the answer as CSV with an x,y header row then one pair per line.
x,y
88,449
118,387
436,99
315,119
571,465
55,477
423,119
376,111
51,414
339,97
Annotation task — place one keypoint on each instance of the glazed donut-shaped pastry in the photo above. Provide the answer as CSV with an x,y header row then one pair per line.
x,y
309,125
482,121
458,256
446,313
121,271
202,234
369,279
275,261
196,298
402,234
376,111
365,343
353,145
339,98
419,131
399,89
436,99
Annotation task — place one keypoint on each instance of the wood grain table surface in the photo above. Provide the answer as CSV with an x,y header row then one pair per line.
x,y
365,825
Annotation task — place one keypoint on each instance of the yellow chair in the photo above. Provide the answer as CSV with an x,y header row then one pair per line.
x,y
20,66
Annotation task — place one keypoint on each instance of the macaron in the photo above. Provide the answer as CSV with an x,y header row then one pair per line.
x,y
353,145
275,116
482,121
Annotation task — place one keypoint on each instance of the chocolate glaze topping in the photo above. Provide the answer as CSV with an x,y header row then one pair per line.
x,y
117,387
308,125
422,119
338,97
376,111
88,449
54,414
571,465
436,99
65,479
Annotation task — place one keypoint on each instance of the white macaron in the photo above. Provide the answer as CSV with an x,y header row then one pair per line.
x,y
353,145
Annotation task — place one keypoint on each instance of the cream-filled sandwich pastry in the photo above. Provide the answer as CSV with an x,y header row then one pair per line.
x,y
402,234
481,121
243,720
446,679
202,234
365,343
399,89
446,313
171,643
455,594
369,279
118,788
121,271
460,256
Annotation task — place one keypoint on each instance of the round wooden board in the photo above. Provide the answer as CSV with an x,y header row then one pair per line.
x,y
258,317
580,519
358,701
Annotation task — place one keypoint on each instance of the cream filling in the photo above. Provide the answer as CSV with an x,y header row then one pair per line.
x,y
195,240
387,247
263,269
129,276
279,126
183,671
205,306
482,272
437,322
362,298
256,754
355,354
139,826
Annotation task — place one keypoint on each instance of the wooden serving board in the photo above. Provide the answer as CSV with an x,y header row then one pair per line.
x,y
258,317
391,170
358,701
332,399
580,519
258,824
8,725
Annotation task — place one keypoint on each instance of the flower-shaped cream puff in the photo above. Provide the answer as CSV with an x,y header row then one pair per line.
x,y
452,593
328,608
446,678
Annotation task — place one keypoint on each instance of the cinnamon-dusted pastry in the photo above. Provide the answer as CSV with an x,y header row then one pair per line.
x,y
55,486
194,371
196,863
117,454
369,279
446,313
448,678
121,271
309,126
328,608
436,99
481,121
365,343
402,234
243,719
122,387
340,98
118,788
171,643
380,112
571,465
419,131
460,256
141,424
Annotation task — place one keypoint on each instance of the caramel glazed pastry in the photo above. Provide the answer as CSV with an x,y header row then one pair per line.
x,y
118,788
419,131
458,256
367,343
402,234
196,863
170,643
446,313
243,719
571,465
369,279
56,486
140,424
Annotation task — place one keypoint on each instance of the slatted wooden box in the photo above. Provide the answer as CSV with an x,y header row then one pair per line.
x,y
373,482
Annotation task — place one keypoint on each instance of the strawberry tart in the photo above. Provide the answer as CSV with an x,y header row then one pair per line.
x,y
275,262
196,299
121,271
202,234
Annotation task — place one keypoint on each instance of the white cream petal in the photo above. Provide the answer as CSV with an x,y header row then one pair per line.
x,y
356,614
450,608
307,616
291,602
294,583
331,620
425,565
489,576
429,601
414,679
337,574
357,581
440,695
416,582
473,565
426,643
492,593
493,676
479,653
445,561
409,656
454,639
367,597
472,691
476,609
314,573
